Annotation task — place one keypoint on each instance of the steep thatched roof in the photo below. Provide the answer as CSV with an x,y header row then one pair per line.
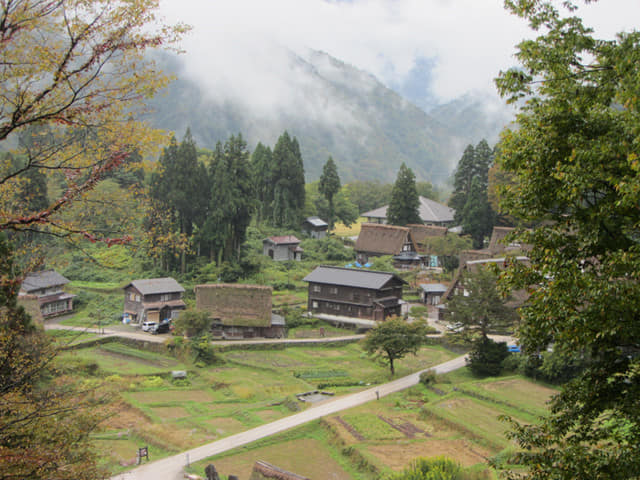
x,y
383,239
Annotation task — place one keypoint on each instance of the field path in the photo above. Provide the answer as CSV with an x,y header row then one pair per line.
x,y
170,468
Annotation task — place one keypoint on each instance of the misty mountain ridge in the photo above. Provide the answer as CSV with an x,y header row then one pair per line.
x,y
333,109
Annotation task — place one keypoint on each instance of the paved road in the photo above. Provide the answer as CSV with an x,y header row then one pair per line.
x,y
170,468
148,337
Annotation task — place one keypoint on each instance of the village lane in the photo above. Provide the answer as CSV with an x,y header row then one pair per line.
x,y
170,468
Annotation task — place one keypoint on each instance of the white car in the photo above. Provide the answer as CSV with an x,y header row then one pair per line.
x,y
149,326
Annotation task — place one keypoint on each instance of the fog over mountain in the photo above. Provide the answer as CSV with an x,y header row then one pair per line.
x,y
332,108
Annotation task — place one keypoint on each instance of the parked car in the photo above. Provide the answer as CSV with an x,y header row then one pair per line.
x,y
148,326
163,327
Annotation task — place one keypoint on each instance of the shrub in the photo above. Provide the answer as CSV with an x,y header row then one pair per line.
x,y
486,357
428,378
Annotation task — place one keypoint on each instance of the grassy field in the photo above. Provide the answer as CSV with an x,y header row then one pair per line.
x,y
248,388
386,435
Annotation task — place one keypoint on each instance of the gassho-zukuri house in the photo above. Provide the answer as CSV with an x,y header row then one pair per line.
x,y
354,293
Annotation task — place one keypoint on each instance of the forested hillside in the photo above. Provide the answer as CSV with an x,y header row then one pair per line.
x,y
340,111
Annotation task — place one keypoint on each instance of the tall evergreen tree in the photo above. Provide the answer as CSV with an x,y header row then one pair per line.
x,y
288,183
475,162
462,182
477,215
231,200
405,204
329,187
262,172
179,187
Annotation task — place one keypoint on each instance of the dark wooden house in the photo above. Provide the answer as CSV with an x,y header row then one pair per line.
x,y
239,311
153,300
354,293
48,288
315,227
286,247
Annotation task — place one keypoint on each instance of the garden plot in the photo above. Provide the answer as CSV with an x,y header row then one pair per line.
x,y
516,391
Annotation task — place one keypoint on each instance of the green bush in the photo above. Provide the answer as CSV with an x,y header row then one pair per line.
x,y
428,378
486,357
436,468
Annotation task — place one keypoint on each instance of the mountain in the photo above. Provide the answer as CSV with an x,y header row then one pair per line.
x,y
332,108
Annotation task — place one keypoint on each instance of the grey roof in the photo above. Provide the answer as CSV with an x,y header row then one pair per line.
x,y
150,286
429,210
350,277
316,222
47,278
433,287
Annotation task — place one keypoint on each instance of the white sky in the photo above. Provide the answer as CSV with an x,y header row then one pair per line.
x,y
231,45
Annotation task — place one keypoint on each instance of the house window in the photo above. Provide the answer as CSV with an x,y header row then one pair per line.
x,y
355,296
165,297
333,290
314,304
132,296
137,298
316,289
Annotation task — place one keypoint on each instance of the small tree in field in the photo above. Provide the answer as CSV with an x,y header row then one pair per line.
x,y
394,339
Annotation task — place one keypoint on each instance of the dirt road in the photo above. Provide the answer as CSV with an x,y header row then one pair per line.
x,y
170,468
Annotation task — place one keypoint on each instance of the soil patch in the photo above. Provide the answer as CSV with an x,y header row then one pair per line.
x,y
170,413
398,457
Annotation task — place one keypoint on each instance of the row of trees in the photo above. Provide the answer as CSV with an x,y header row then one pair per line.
x,y
203,206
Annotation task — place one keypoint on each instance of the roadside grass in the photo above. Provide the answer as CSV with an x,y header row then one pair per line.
x,y
70,337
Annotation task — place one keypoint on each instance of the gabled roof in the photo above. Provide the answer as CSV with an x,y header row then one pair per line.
x,y
429,210
282,240
152,286
47,278
433,287
383,239
421,232
316,222
350,277
432,211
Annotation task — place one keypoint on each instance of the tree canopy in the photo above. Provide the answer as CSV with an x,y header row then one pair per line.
x,y
574,164
73,73
394,338
481,308
404,206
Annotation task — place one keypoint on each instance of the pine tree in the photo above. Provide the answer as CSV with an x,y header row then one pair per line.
x,y
405,204
477,215
329,187
262,172
288,183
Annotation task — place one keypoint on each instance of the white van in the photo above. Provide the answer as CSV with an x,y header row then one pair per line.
x,y
148,326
